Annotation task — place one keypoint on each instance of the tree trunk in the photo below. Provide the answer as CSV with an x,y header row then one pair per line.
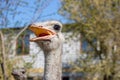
x,y
108,77
3,64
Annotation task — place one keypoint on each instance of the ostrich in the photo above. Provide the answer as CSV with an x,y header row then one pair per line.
x,y
19,74
50,39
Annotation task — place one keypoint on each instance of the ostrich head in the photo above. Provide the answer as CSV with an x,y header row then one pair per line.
x,y
48,34
19,74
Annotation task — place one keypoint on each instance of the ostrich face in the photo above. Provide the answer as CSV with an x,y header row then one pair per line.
x,y
19,73
48,34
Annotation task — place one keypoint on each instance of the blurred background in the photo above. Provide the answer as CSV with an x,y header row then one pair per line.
x,y
91,50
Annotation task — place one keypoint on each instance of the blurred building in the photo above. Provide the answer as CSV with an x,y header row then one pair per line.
x,y
31,56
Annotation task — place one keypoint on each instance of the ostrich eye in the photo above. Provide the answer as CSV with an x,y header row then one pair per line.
x,y
56,27
23,72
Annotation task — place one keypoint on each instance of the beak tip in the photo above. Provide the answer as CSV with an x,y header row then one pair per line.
x,y
29,25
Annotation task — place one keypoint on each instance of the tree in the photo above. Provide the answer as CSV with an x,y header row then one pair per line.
x,y
10,11
98,21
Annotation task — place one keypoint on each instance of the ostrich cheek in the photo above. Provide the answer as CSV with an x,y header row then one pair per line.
x,y
49,45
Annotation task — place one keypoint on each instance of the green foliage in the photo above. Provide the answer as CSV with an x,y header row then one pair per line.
x,y
98,21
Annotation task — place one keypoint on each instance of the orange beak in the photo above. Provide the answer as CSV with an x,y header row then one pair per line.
x,y
41,33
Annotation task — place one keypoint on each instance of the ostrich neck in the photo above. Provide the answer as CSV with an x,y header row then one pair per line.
x,y
53,65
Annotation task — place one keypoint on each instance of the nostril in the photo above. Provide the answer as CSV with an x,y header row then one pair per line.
x,y
40,26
